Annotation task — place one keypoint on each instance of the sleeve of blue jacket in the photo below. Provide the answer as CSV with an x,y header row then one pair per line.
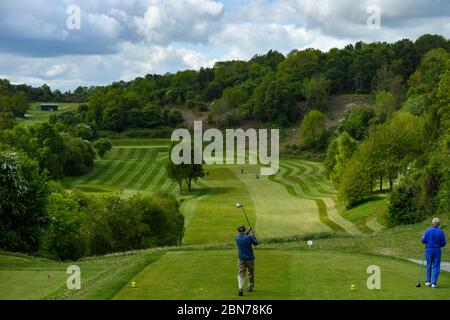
x,y
254,241
425,237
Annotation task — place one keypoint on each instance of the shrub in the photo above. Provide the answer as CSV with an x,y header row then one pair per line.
x,y
23,194
403,206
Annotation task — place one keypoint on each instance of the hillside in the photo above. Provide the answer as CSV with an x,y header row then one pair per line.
x,y
364,134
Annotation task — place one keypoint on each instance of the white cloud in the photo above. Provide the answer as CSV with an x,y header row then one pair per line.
x,y
167,21
123,39
56,70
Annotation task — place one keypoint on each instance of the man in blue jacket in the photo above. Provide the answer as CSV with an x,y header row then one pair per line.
x,y
434,239
245,243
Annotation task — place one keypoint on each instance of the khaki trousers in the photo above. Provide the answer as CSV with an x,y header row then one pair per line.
x,y
243,266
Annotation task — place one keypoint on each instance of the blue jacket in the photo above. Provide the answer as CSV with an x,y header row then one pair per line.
x,y
434,238
244,243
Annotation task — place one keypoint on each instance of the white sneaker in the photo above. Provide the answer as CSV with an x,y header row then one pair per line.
x,y
428,284
434,286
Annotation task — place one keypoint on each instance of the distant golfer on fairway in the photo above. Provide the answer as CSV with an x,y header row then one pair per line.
x,y
434,239
246,260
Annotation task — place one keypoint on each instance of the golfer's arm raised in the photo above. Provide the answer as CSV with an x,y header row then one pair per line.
x,y
252,235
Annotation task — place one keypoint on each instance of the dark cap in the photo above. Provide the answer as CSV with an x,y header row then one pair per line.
x,y
241,229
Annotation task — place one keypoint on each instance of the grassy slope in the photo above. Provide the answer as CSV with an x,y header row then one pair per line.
x,y
369,215
34,116
298,200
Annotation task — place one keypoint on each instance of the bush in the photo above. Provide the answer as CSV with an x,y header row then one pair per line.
x,y
23,194
313,131
79,158
354,184
83,226
62,239
103,146
403,206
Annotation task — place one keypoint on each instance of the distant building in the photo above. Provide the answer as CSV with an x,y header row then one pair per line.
x,y
48,107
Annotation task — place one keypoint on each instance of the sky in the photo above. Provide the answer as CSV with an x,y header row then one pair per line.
x,y
71,43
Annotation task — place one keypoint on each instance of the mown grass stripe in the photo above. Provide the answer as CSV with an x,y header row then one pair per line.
x,y
150,171
336,223
165,185
102,166
324,218
130,168
116,167
146,164
308,184
159,180
155,174
319,184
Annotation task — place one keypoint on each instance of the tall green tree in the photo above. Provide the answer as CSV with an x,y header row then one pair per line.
x,y
23,194
316,92
385,105
313,130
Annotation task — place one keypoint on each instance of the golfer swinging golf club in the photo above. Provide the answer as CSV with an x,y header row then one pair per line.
x,y
245,242
434,239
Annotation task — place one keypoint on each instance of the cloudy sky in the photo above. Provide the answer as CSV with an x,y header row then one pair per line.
x,y
121,39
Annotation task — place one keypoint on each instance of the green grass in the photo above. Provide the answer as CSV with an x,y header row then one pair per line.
x,y
284,270
280,274
368,216
27,278
297,204
33,116
141,142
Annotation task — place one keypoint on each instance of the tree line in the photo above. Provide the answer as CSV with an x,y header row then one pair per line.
x,y
402,141
38,216
267,88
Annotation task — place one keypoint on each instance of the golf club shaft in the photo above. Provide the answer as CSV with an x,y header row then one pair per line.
x,y
421,266
243,210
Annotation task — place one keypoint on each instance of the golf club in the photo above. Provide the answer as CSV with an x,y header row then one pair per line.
x,y
418,285
240,206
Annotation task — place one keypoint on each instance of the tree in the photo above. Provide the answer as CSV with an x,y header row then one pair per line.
x,y
79,157
386,152
23,194
175,172
62,237
213,91
386,80
354,184
385,105
19,104
342,153
316,92
427,42
184,172
425,80
357,121
103,146
7,120
416,105
48,147
313,131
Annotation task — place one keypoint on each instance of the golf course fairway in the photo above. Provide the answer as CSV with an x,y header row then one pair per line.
x,y
280,274
297,204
